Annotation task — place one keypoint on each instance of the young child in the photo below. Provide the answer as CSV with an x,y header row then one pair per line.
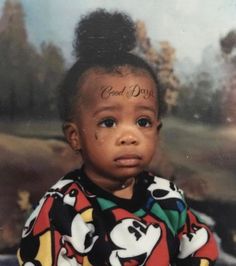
x,y
111,211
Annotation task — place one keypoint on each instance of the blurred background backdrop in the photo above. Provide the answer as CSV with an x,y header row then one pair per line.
x,y
192,46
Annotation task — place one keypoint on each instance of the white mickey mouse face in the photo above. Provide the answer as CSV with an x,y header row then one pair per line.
x,y
82,235
133,238
191,242
164,189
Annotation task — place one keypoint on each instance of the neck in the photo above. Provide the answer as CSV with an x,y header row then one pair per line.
x,y
126,190
119,188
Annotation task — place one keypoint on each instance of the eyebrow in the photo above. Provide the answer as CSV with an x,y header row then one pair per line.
x,y
117,108
106,108
146,108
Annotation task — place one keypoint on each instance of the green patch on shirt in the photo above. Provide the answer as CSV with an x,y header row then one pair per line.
x,y
105,204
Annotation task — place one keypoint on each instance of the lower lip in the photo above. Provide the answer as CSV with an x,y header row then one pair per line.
x,y
128,162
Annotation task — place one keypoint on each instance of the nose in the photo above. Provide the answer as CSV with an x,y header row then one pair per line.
x,y
128,138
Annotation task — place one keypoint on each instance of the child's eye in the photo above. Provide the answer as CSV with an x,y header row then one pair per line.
x,y
109,122
144,122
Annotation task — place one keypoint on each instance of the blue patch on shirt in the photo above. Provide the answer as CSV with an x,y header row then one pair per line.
x,y
180,205
149,202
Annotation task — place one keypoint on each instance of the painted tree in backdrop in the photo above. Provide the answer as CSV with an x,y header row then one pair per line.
x,y
25,87
228,47
162,59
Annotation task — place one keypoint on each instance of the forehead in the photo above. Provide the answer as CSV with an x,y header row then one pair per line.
x,y
98,85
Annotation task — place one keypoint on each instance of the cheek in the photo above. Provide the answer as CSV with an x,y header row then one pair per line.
x,y
101,136
151,139
150,136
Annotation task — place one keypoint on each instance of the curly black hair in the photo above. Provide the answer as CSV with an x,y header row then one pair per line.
x,y
103,34
103,40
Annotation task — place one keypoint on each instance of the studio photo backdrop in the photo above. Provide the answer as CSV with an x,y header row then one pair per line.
x,y
191,45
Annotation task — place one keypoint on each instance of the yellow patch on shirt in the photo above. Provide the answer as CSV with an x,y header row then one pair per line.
x,y
44,253
86,262
19,258
204,262
87,215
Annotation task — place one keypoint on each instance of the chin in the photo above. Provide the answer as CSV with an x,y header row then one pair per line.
x,y
127,172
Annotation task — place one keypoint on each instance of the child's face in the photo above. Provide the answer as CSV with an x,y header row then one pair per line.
x,y
115,123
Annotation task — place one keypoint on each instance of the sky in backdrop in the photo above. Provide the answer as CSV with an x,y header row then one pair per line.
x,y
189,25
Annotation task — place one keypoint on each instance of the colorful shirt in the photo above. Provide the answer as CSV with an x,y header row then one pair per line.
x,y
78,223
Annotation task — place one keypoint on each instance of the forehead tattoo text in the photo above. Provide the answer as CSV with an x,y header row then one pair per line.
x,y
128,91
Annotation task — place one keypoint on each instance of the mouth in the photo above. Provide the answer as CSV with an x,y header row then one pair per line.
x,y
128,160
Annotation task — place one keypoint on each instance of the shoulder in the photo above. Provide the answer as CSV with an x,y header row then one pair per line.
x,y
69,191
65,198
66,181
166,194
167,202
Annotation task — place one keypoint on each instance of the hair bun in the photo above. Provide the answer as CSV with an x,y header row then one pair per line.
x,y
101,34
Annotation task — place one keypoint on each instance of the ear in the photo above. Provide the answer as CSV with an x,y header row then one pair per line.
x,y
159,126
71,133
